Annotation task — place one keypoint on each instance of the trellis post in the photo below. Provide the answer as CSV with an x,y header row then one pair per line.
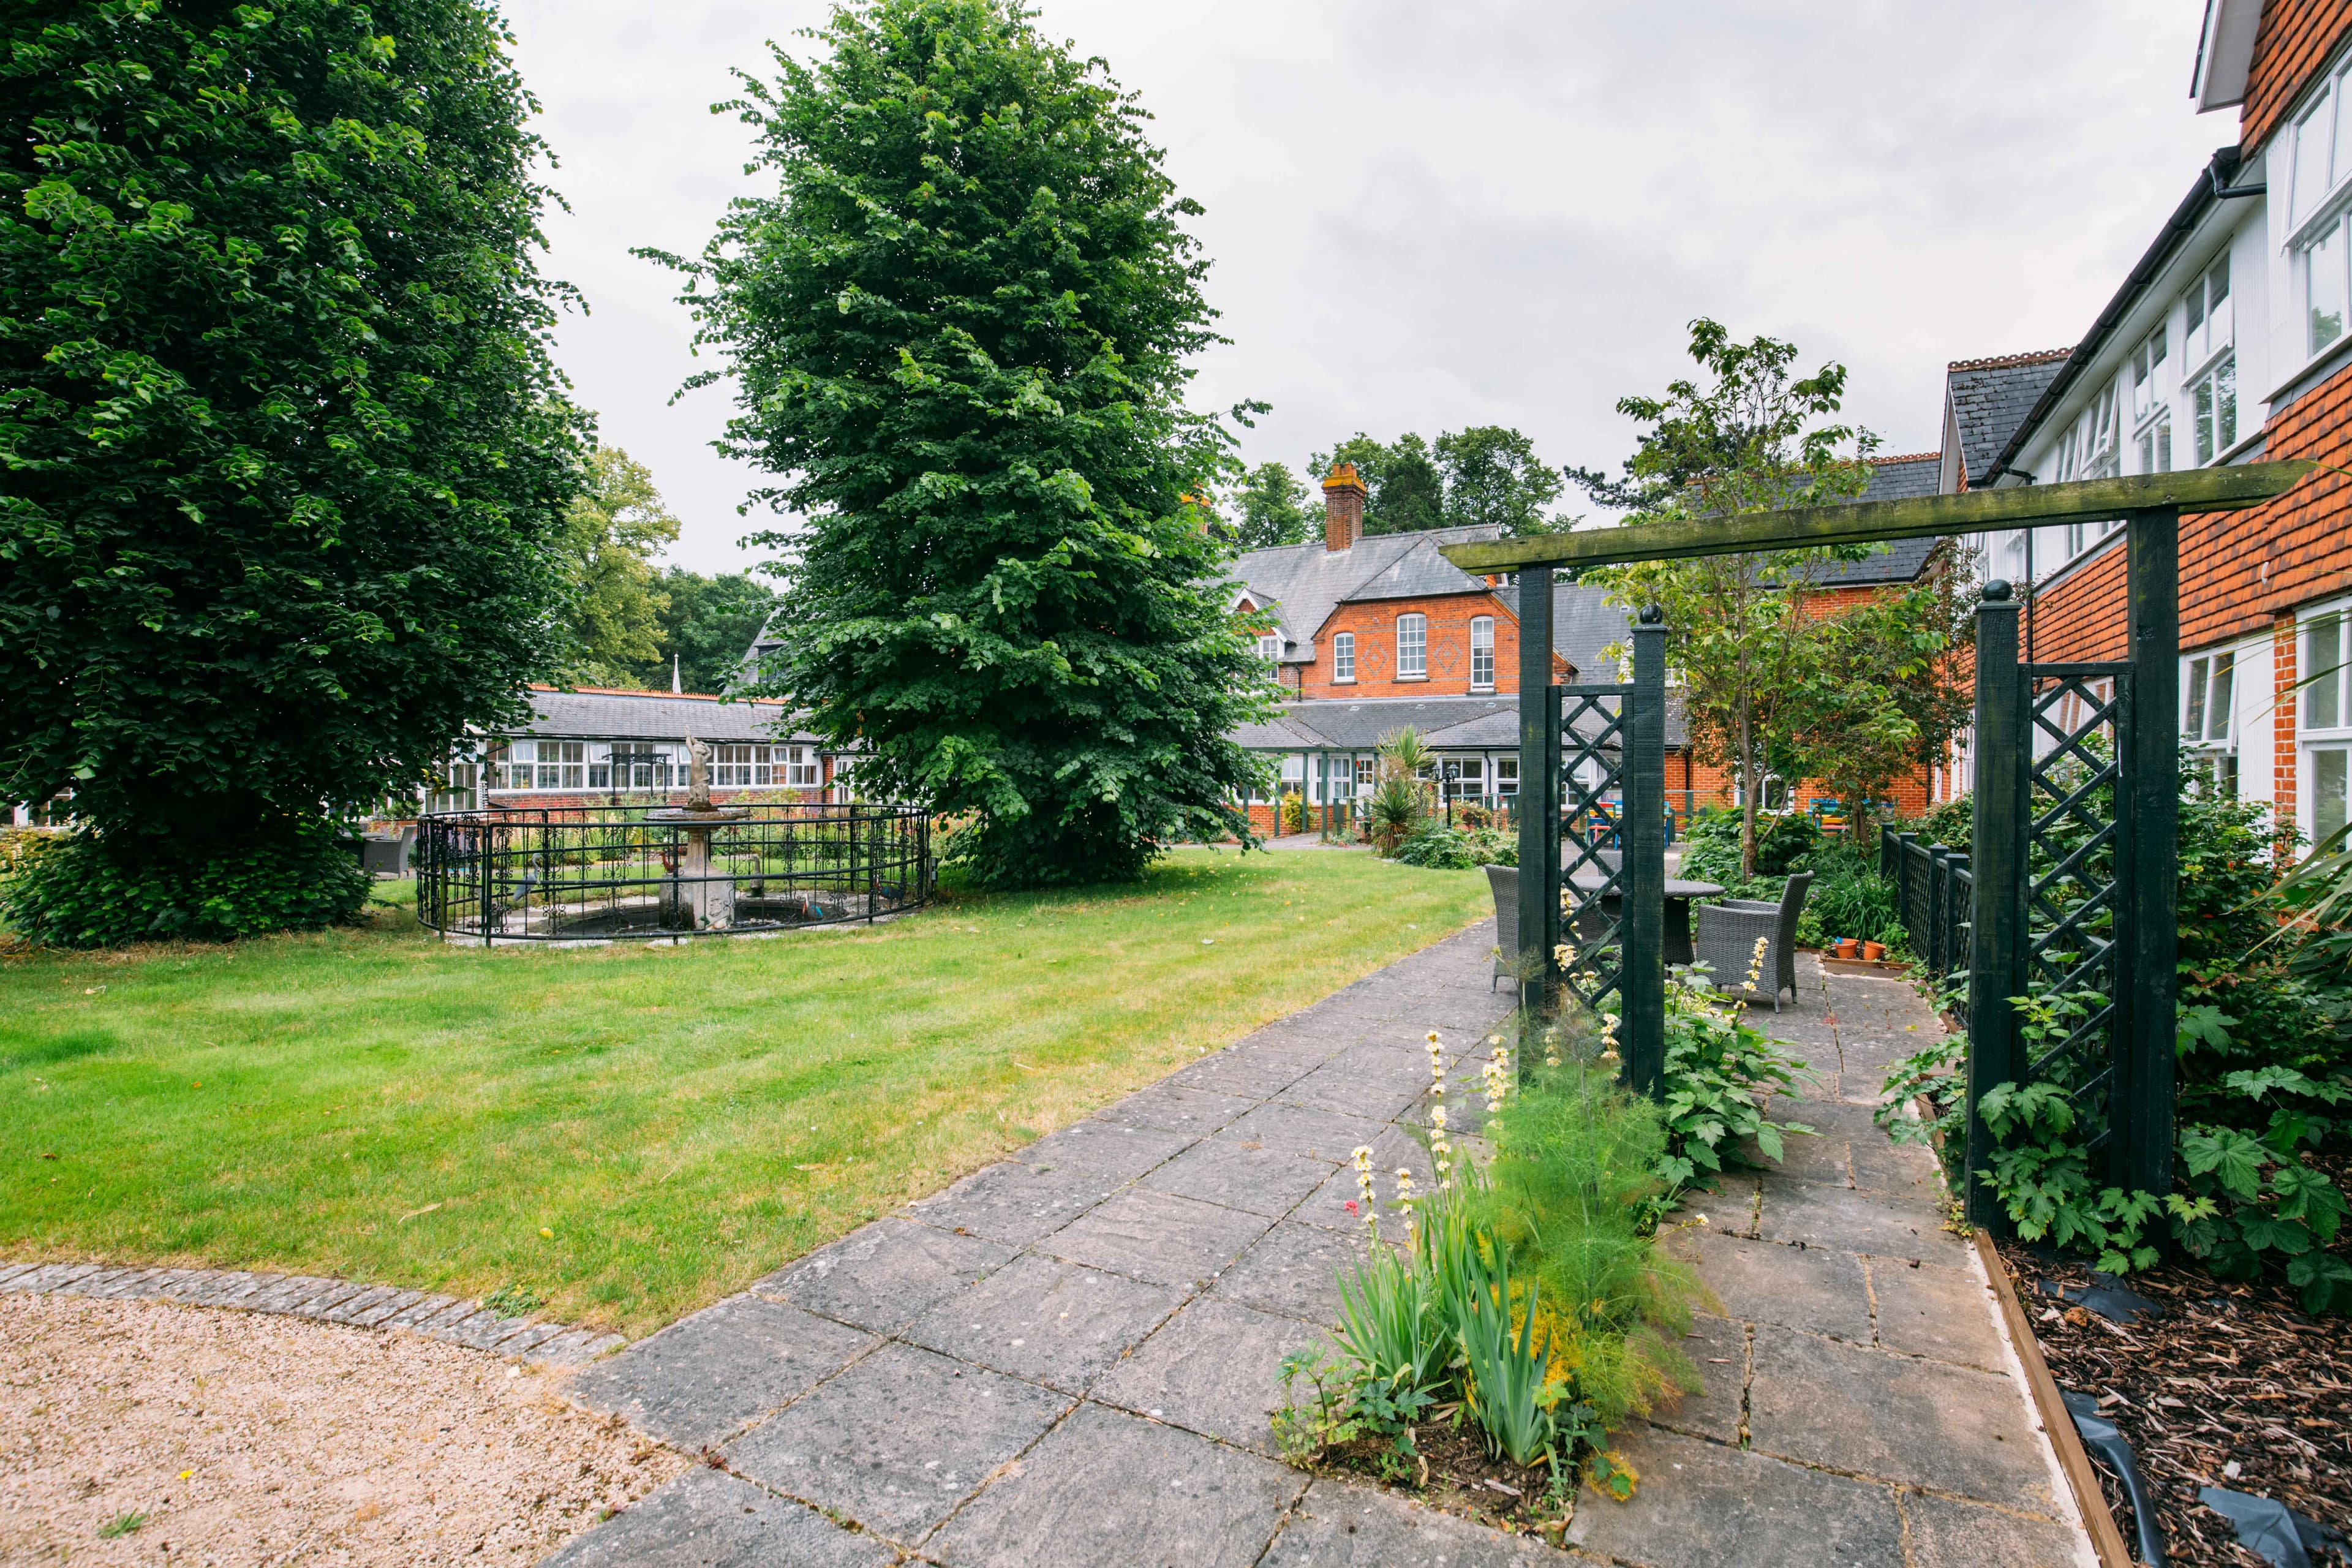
x,y
1997,853
1641,983
2149,747
1539,793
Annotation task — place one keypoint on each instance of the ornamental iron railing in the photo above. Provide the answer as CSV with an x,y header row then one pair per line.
x,y
636,872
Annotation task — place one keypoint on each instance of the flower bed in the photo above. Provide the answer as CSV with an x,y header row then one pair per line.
x,y
1529,1309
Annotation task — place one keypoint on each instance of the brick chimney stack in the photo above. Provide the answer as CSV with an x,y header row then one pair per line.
x,y
1343,507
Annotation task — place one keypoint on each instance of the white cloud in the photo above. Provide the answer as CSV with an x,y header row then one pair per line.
x,y
1427,215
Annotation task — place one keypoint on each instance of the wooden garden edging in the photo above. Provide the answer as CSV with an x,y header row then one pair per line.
x,y
2090,1497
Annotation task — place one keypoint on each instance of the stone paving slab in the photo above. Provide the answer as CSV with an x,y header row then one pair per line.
x,y
898,1440
883,1276
708,1519
1861,1405
1340,1526
1060,1324
1108,1487
707,1376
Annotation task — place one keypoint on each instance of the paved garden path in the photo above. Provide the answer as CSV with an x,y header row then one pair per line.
x,y
1863,1405
1070,1357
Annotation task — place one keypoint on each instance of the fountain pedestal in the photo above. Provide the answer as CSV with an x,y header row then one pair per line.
x,y
692,900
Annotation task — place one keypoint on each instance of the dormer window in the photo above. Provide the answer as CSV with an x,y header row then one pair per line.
x,y
1269,647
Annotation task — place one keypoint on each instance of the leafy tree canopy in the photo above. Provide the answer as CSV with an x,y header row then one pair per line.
x,y
612,529
1272,507
1746,436
708,625
287,458
1487,475
959,331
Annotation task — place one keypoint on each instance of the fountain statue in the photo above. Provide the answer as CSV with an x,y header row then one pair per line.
x,y
694,896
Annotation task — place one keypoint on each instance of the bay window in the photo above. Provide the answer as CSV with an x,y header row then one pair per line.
x,y
1412,647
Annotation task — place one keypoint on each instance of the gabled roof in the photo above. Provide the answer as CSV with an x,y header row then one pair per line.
x,y
1303,584
1989,398
1901,559
1420,572
599,713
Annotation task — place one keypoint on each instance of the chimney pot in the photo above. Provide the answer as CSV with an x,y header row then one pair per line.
x,y
1343,507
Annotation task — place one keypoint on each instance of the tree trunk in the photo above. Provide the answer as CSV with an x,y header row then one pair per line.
x,y
1751,791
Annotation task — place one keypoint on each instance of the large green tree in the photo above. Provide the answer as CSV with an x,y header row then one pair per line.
x,y
1747,434
707,625
1271,507
960,330
1494,479
612,529
286,459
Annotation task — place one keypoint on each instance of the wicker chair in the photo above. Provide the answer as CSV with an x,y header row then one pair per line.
x,y
1503,882
1725,939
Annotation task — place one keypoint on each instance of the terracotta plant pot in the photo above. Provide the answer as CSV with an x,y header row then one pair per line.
x,y
1874,951
1849,947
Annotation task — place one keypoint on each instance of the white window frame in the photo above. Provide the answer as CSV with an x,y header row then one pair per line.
x,y
1269,647
2149,371
1343,659
1482,653
802,767
1413,647
1506,775
737,766
2322,717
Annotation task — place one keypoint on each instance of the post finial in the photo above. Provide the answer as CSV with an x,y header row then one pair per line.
x,y
1652,615
1997,589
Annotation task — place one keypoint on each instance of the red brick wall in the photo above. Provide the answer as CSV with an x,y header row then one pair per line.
x,y
2286,707
2294,40
2238,569
1449,648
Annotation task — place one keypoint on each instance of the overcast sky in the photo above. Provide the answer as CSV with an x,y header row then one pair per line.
x,y
1428,216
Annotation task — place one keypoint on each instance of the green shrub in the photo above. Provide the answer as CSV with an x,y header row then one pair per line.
x,y
90,889
2263,1072
1439,847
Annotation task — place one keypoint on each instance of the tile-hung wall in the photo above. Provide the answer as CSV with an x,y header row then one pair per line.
x,y
2226,358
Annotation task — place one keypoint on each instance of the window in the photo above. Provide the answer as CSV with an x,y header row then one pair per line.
x,y
2151,404
1364,766
1412,647
802,768
2324,286
2214,398
459,782
2322,673
741,767
1506,775
2212,322
1482,653
2212,682
1343,657
2087,449
2329,771
2323,147
2147,373
1269,647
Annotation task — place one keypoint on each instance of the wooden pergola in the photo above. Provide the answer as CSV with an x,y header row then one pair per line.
x,y
2148,821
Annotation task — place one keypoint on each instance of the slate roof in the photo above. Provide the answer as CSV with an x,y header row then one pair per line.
x,y
602,714
1303,584
1989,398
1447,723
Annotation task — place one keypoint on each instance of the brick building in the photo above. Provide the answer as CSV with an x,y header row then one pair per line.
x,y
1375,633
2226,343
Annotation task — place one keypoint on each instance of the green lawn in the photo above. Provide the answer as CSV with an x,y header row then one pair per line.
x,y
629,1131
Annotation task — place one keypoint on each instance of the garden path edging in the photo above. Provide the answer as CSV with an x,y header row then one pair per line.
x,y
453,1320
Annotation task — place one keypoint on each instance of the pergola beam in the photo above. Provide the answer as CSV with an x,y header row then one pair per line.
x,y
1865,522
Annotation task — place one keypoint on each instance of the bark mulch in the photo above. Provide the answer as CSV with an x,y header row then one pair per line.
x,y
1452,1471
2231,1385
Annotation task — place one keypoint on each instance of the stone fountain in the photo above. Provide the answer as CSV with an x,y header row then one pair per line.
x,y
692,899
